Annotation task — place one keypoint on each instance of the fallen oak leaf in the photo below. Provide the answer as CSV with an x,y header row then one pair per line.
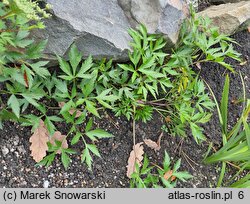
x,y
136,156
39,141
72,110
59,137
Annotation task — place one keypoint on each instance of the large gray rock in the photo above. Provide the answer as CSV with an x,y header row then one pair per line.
x,y
159,16
223,1
230,17
99,27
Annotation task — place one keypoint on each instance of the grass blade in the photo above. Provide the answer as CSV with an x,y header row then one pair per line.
x,y
224,107
222,174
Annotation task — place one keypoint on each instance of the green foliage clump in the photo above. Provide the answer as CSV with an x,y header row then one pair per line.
x,y
22,77
30,9
166,177
77,93
28,83
236,141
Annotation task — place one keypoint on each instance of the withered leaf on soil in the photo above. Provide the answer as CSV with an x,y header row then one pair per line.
x,y
168,175
154,145
59,137
39,141
72,110
151,144
136,156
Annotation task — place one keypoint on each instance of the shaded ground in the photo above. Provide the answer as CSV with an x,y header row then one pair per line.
x,y
17,169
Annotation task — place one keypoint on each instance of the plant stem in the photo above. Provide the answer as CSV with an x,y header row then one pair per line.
x,y
154,164
156,104
162,99
53,108
6,15
8,30
134,126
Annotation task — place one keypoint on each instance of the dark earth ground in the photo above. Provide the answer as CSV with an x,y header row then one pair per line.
x,y
17,168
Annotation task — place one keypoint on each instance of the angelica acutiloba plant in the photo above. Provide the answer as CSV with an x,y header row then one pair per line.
x,y
151,81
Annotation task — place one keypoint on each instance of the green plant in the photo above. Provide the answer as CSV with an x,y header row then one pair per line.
x,y
29,83
236,142
78,97
144,75
155,82
77,93
242,183
145,177
201,42
17,18
168,84
187,101
22,77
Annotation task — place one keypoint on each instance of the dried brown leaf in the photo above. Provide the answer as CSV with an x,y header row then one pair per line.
x,y
59,137
72,110
154,145
159,139
173,178
136,156
151,144
39,141
168,119
168,174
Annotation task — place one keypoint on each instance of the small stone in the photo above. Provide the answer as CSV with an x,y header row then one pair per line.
x,y
16,140
21,149
16,153
66,182
5,150
51,175
98,167
46,184
24,183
